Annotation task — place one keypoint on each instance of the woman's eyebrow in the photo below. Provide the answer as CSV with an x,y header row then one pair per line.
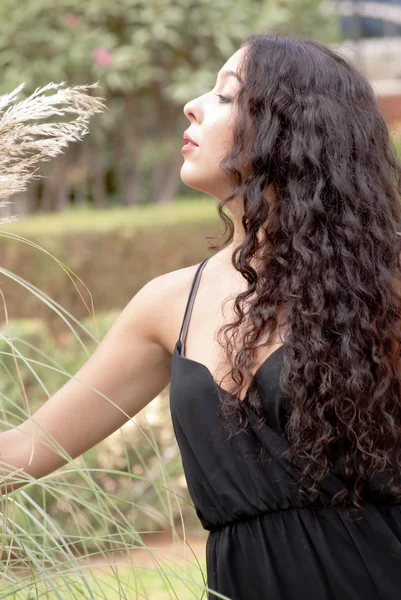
x,y
229,74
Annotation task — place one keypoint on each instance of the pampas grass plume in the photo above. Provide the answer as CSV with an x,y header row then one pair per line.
x,y
25,141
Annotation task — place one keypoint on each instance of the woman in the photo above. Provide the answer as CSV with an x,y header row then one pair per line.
x,y
289,430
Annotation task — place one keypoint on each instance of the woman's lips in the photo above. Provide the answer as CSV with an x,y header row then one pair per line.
x,y
188,146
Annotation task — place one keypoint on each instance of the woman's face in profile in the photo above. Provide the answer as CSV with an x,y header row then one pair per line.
x,y
211,118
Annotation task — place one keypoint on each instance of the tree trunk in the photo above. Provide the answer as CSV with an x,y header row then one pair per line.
x,y
61,197
171,183
97,172
24,203
30,198
130,172
166,170
81,174
54,193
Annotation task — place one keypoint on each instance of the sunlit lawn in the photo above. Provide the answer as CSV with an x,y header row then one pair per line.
x,y
81,219
114,582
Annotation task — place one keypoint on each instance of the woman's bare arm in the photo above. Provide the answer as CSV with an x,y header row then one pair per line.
x,y
130,367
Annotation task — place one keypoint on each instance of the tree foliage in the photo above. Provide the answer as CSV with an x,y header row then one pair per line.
x,y
150,57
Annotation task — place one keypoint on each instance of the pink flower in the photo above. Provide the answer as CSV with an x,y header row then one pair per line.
x,y
102,56
71,20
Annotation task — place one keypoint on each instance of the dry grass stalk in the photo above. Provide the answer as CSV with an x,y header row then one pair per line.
x,y
25,142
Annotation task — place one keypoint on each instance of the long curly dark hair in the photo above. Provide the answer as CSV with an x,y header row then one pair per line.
x,y
327,253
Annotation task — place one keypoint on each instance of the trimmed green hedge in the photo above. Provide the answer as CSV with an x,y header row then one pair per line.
x,y
113,252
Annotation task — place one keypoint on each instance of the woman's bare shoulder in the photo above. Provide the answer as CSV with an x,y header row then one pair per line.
x,y
171,291
176,280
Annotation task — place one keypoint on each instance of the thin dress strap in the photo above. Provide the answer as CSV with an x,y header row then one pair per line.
x,y
190,303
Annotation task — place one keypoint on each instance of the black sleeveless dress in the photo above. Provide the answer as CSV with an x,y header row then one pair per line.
x,y
264,544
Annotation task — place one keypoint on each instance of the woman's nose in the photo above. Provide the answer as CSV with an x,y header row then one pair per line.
x,y
193,109
188,111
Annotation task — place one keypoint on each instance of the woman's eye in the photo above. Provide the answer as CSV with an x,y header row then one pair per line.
x,y
223,99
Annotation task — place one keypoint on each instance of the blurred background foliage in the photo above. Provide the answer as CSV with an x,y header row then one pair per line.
x,y
114,211
150,59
